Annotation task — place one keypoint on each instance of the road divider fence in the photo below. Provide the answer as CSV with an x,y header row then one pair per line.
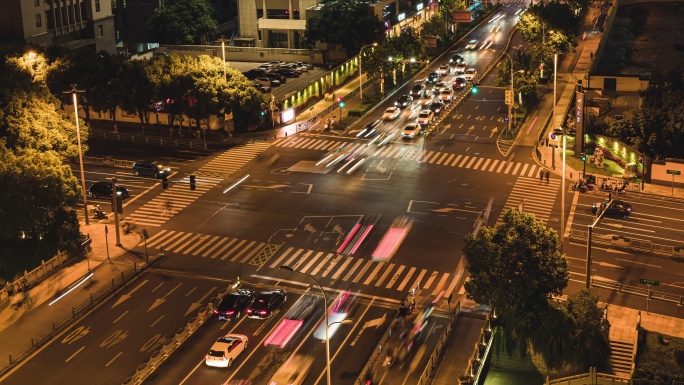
x,y
60,323
639,245
635,290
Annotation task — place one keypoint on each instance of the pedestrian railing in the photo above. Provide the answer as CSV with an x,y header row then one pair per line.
x,y
151,140
619,241
60,322
33,277
480,353
589,378
123,163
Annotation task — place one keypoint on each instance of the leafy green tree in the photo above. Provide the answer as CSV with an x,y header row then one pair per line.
x,y
35,137
515,267
183,22
348,23
434,26
394,54
136,88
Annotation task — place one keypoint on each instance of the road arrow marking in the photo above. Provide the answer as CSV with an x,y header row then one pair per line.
x,y
381,169
494,130
606,264
375,322
470,129
161,300
195,305
129,295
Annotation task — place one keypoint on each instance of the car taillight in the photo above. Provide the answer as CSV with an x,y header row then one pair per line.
x,y
249,311
215,311
263,312
230,312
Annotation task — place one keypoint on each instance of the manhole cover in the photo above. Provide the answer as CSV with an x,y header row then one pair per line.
x,y
477,153
462,137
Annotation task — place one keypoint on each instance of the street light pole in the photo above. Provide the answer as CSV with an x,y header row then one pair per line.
x,y
80,153
325,303
510,105
223,51
562,232
360,70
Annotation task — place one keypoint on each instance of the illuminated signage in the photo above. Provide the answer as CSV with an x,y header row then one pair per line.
x,y
419,6
401,17
287,115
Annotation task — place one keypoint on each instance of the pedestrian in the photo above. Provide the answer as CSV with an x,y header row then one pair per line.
x,y
541,176
10,289
591,55
548,174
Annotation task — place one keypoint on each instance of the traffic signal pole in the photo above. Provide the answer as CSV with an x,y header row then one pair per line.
x,y
116,212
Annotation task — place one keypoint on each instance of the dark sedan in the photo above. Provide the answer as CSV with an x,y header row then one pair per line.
x,y
404,101
617,208
232,305
266,303
436,106
104,190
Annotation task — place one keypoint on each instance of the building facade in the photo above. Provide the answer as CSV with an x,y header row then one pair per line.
x,y
73,24
281,23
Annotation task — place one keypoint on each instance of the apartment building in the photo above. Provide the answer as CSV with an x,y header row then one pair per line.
x,y
70,23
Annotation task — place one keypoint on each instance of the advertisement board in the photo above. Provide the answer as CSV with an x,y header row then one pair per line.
x,y
461,16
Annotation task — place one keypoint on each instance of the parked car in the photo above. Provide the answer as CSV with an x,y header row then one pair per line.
x,y
266,303
254,73
425,117
276,63
266,67
436,106
288,73
104,190
233,304
276,76
411,131
264,89
404,101
444,70
225,350
618,208
473,44
150,168
268,82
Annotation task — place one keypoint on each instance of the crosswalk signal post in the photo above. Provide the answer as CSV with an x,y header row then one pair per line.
x,y
165,181
193,185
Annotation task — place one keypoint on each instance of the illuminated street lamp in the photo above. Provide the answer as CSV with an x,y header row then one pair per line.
x,y
80,152
360,71
325,303
223,53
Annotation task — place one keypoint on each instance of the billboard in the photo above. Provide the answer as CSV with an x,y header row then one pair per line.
x,y
461,16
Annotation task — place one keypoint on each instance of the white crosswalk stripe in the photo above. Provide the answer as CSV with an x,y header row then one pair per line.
x,y
425,156
317,263
178,196
536,197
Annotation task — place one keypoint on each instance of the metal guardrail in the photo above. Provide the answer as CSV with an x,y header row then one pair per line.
x,y
152,140
61,322
590,378
433,362
629,243
123,163
640,291
480,353
158,357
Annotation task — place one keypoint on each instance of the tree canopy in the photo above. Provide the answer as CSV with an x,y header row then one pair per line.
x,y
349,23
515,267
35,137
183,22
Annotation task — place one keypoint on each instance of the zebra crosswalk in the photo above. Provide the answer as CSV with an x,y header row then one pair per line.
x,y
533,196
424,156
318,263
159,210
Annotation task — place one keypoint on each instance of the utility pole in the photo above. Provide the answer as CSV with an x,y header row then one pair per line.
x,y
115,198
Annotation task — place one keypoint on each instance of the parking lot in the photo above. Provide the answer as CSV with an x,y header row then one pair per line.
x,y
292,84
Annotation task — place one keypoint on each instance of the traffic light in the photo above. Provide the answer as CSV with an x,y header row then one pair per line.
x,y
340,102
193,185
165,182
474,90
584,157
117,204
508,97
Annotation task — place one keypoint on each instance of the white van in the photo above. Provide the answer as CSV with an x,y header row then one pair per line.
x,y
293,371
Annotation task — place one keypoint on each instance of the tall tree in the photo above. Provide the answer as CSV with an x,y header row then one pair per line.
x,y
183,22
137,89
516,268
349,23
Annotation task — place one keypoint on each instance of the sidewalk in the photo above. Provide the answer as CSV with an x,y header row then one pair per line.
x,y
52,303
